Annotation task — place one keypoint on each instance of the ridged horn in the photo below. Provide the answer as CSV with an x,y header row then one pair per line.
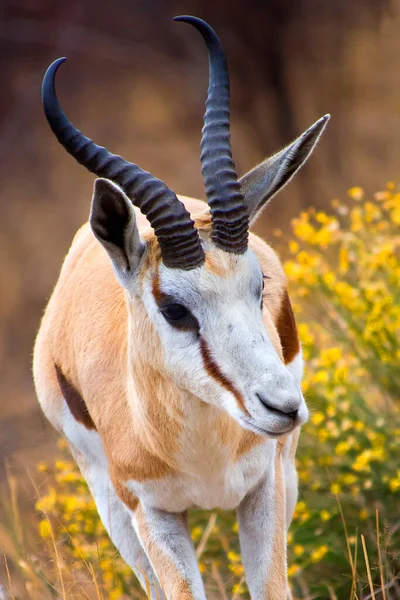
x,y
179,241
230,221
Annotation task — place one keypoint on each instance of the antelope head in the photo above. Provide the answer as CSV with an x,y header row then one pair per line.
x,y
198,284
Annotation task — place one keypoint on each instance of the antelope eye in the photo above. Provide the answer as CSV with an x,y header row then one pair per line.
x,y
174,312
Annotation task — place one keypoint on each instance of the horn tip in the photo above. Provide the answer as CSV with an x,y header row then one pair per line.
x,y
58,61
182,17
196,21
53,68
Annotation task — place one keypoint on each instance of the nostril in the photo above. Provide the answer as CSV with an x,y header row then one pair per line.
x,y
293,414
278,411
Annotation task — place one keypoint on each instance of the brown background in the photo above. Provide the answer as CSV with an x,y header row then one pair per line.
x,y
136,82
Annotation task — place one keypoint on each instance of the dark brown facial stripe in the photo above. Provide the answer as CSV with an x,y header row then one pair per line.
x,y
159,295
286,326
76,403
214,371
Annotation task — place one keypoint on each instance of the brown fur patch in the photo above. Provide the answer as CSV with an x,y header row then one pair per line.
x,y
76,403
287,330
214,371
158,294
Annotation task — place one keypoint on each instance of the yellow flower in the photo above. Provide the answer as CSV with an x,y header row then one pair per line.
x,y
330,356
293,570
356,193
363,514
301,506
321,377
319,553
329,279
298,550
237,570
343,261
237,589
394,482
47,503
342,448
322,217
44,528
323,435
197,532
317,418
306,336
233,556
325,515
331,411
348,479
335,488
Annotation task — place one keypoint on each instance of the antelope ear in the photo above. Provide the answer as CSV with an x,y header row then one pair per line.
x,y
113,222
264,181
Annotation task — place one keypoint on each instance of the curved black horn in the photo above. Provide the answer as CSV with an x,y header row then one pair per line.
x,y
230,222
175,231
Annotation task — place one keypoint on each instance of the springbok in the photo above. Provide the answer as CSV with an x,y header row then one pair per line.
x,y
168,354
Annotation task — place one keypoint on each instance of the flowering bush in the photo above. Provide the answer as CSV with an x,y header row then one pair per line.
x,y
344,282
343,273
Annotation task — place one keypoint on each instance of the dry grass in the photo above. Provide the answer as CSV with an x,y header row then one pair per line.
x,y
44,574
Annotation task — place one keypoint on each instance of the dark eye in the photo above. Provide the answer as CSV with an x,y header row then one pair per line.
x,y
178,316
175,312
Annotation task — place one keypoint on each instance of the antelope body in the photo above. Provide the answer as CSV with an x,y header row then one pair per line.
x,y
168,354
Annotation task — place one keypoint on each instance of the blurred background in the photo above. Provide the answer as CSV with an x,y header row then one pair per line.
x,y
136,83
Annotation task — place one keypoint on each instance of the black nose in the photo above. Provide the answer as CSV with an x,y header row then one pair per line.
x,y
279,412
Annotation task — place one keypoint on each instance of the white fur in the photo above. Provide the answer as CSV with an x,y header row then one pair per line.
x,y
228,311
212,481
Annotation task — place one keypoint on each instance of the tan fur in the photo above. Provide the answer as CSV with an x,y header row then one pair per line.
x,y
141,440
277,581
175,585
293,446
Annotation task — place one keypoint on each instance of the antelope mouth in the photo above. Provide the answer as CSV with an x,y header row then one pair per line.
x,y
268,432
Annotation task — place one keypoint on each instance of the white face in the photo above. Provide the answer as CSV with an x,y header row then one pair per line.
x,y
216,345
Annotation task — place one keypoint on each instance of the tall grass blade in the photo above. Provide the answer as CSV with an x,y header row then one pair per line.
x,y
8,577
371,587
206,535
